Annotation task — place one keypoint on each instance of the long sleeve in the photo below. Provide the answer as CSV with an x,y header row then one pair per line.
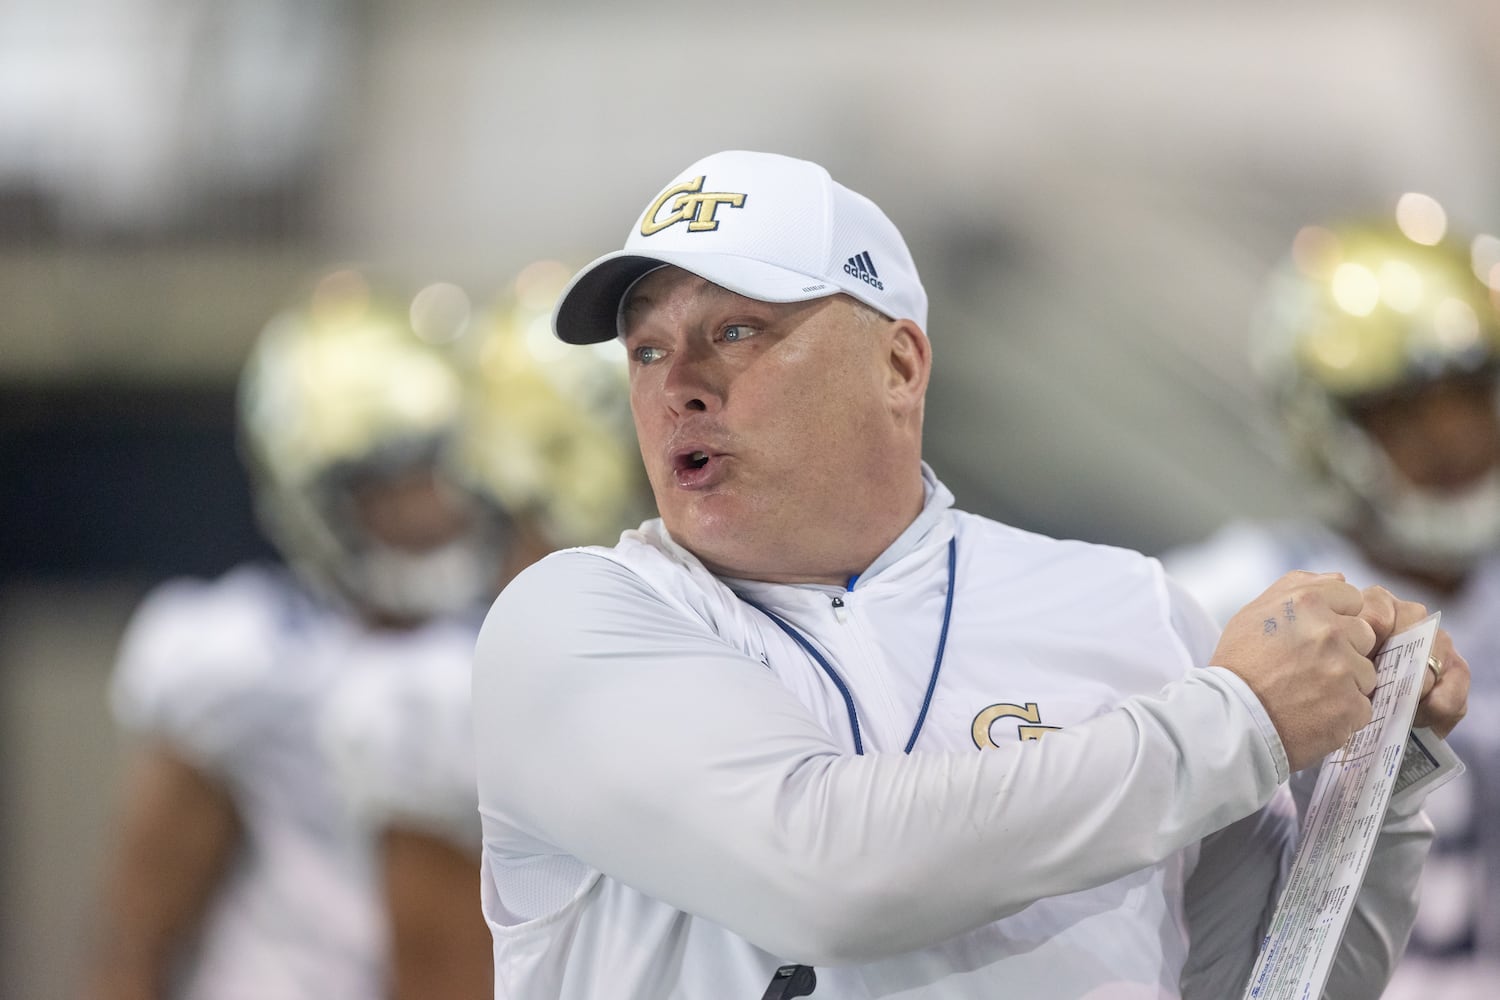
x,y
1386,906
1230,896
1238,878
613,728
1233,889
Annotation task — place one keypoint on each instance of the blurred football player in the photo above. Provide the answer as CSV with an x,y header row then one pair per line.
x,y
1380,345
236,871
550,437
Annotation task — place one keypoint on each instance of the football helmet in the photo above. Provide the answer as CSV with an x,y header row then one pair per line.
x,y
1363,312
352,394
548,432
340,396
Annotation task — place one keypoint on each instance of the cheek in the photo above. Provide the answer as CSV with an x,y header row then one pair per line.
x,y
645,415
823,423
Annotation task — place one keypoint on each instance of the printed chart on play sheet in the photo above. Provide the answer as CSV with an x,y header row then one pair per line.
x,y
1355,785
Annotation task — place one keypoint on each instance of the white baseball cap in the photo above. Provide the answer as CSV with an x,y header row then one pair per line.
x,y
764,226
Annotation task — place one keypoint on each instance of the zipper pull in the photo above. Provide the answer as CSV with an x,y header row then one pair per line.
x,y
840,612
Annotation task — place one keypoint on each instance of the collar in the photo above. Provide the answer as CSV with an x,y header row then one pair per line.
x,y
934,512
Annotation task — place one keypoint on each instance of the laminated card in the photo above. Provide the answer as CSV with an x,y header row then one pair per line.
x,y
1355,785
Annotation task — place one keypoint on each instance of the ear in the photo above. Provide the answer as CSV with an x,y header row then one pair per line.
x,y
909,365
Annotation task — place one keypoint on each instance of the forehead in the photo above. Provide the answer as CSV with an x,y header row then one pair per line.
x,y
670,287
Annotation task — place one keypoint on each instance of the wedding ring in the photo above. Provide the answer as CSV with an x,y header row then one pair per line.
x,y
1436,666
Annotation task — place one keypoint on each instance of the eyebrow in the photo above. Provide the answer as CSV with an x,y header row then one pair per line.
x,y
632,305
638,301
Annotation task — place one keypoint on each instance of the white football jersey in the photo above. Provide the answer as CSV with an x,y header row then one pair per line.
x,y
987,767
235,675
1456,938
399,732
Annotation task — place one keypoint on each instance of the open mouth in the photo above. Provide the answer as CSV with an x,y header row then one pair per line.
x,y
691,461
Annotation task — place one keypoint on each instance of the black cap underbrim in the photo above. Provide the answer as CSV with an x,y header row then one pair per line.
x,y
588,310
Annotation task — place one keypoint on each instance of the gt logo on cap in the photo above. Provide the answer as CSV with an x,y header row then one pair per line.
x,y
696,208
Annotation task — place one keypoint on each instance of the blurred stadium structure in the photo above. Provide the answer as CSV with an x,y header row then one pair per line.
x,y
1093,197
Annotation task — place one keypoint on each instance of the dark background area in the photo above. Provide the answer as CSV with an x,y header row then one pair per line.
x,y
125,482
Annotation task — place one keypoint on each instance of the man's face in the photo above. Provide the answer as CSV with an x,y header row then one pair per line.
x,y
1442,437
764,427
413,510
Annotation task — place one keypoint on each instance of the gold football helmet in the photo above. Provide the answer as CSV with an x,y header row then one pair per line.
x,y
548,431
1368,311
351,395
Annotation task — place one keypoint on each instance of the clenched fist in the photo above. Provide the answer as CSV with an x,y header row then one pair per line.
x,y
1304,649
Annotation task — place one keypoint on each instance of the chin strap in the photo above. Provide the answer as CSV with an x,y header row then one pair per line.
x,y
791,981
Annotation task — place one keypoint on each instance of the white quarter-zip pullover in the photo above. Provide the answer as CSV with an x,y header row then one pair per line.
x,y
673,804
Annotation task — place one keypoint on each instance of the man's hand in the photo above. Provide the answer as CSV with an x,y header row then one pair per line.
x,y
1445,698
1445,693
1303,647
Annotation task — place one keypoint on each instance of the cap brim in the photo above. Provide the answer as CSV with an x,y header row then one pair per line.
x,y
589,308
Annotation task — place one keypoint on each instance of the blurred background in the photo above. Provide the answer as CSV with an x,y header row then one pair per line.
x,y
1092,194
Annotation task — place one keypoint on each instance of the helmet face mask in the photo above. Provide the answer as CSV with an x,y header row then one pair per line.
x,y
416,540
1355,326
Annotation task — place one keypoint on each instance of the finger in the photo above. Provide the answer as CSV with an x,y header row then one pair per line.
x,y
1340,597
1379,611
1359,716
1442,646
1299,581
1442,651
1448,701
1360,634
1408,613
1365,675
1308,576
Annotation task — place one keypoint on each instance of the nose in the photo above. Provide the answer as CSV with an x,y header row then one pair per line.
x,y
693,382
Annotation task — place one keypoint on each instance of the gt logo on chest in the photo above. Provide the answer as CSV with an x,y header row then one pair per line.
x,y
1029,728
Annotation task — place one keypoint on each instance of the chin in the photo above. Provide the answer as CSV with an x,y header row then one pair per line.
x,y
712,536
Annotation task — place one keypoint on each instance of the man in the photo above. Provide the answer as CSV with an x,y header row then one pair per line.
x,y
550,438
235,870
1379,345
813,715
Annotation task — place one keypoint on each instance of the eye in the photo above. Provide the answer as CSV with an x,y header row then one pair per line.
x,y
738,331
646,354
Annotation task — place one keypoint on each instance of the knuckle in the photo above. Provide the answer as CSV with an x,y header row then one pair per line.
x,y
1323,632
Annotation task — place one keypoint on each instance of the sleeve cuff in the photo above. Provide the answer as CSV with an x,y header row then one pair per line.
x,y
1257,712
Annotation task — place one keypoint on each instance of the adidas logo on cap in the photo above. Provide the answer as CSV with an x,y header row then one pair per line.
x,y
863,268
